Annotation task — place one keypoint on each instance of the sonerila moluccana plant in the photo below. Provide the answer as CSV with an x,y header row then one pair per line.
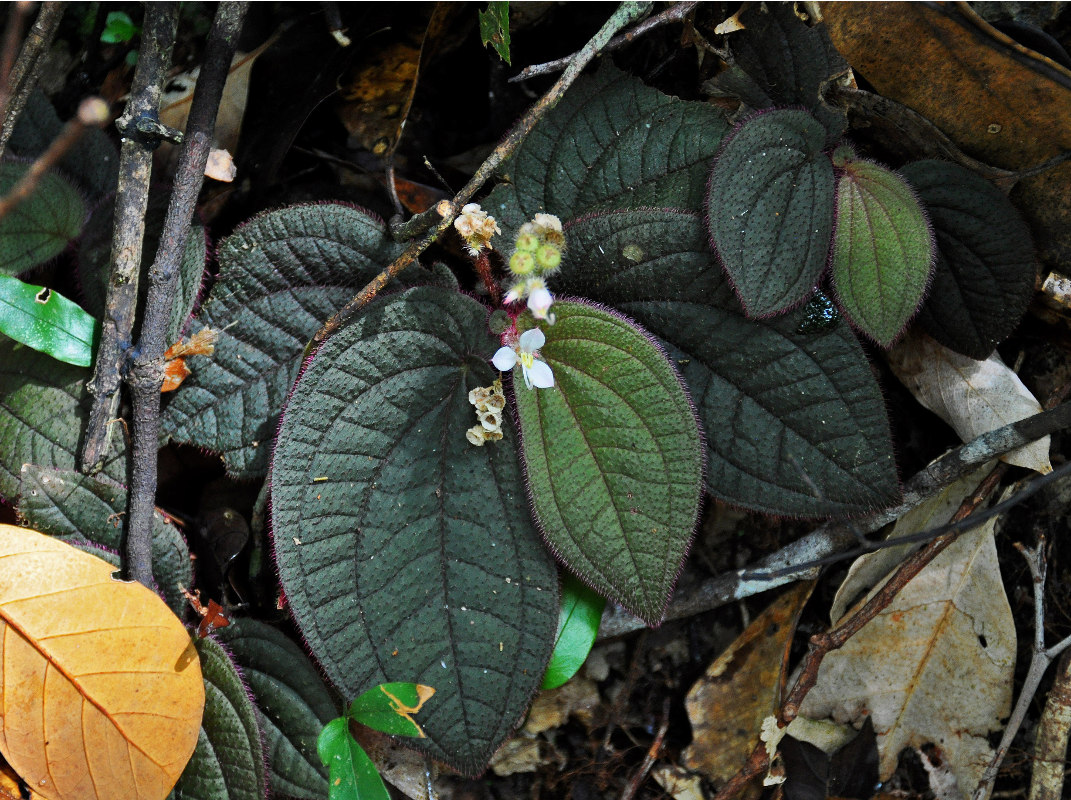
x,y
684,299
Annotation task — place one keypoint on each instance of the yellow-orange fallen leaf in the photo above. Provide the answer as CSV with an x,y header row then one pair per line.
x,y
202,343
100,688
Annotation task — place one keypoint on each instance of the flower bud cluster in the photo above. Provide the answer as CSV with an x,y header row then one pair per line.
x,y
476,228
537,254
489,402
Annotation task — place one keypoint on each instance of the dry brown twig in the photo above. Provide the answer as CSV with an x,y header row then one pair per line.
x,y
22,79
1050,740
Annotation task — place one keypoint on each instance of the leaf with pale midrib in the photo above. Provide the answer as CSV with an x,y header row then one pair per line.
x,y
780,409
406,553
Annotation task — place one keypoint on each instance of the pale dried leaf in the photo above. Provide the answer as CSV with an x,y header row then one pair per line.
x,y
220,166
935,666
869,571
974,397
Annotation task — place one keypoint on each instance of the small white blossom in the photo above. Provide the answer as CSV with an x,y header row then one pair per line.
x,y
539,303
548,222
476,228
536,372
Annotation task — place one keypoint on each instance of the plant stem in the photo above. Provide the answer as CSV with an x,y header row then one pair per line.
x,y
27,69
435,221
146,375
131,200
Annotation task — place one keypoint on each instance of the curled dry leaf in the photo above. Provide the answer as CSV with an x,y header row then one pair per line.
x,y
100,692
974,397
935,666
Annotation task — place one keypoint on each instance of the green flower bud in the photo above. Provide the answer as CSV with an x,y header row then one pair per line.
x,y
548,257
522,263
527,242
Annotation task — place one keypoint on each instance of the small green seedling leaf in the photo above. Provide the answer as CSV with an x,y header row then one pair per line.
x,y
882,249
614,456
984,276
39,227
351,773
47,321
578,624
494,28
770,209
389,708
118,28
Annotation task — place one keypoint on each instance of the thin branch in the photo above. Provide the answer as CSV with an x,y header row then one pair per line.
x,y
146,375
131,200
790,563
92,113
16,19
651,757
440,217
1039,665
674,13
23,77
1050,741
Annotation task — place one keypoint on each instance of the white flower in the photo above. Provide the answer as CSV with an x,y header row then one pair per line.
x,y
539,302
476,228
536,373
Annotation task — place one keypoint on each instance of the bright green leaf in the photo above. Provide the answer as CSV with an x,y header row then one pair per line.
x,y
389,708
41,226
494,27
985,271
882,250
47,321
228,763
614,457
118,28
406,553
578,624
770,209
794,420
69,505
293,704
352,775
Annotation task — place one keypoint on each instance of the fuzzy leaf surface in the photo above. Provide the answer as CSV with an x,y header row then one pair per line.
x,y
778,407
70,506
43,407
778,60
407,554
293,704
770,209
882,250
282,275
614,457
95,258
578,625
228,763
614,142
984,275
47,321
101,691
39,227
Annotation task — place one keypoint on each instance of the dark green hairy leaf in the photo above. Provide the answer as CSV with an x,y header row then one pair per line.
x,y
69,505
282,275
40,227
408,554
783,411
43,407
494,28
613,456
613,142
984,277
47,321
353,776
779,61
882,250
228,763
578,625
770,209
293,705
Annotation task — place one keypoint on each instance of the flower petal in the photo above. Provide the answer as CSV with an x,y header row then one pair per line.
x,y
532,340
505,359
541,375
539,303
